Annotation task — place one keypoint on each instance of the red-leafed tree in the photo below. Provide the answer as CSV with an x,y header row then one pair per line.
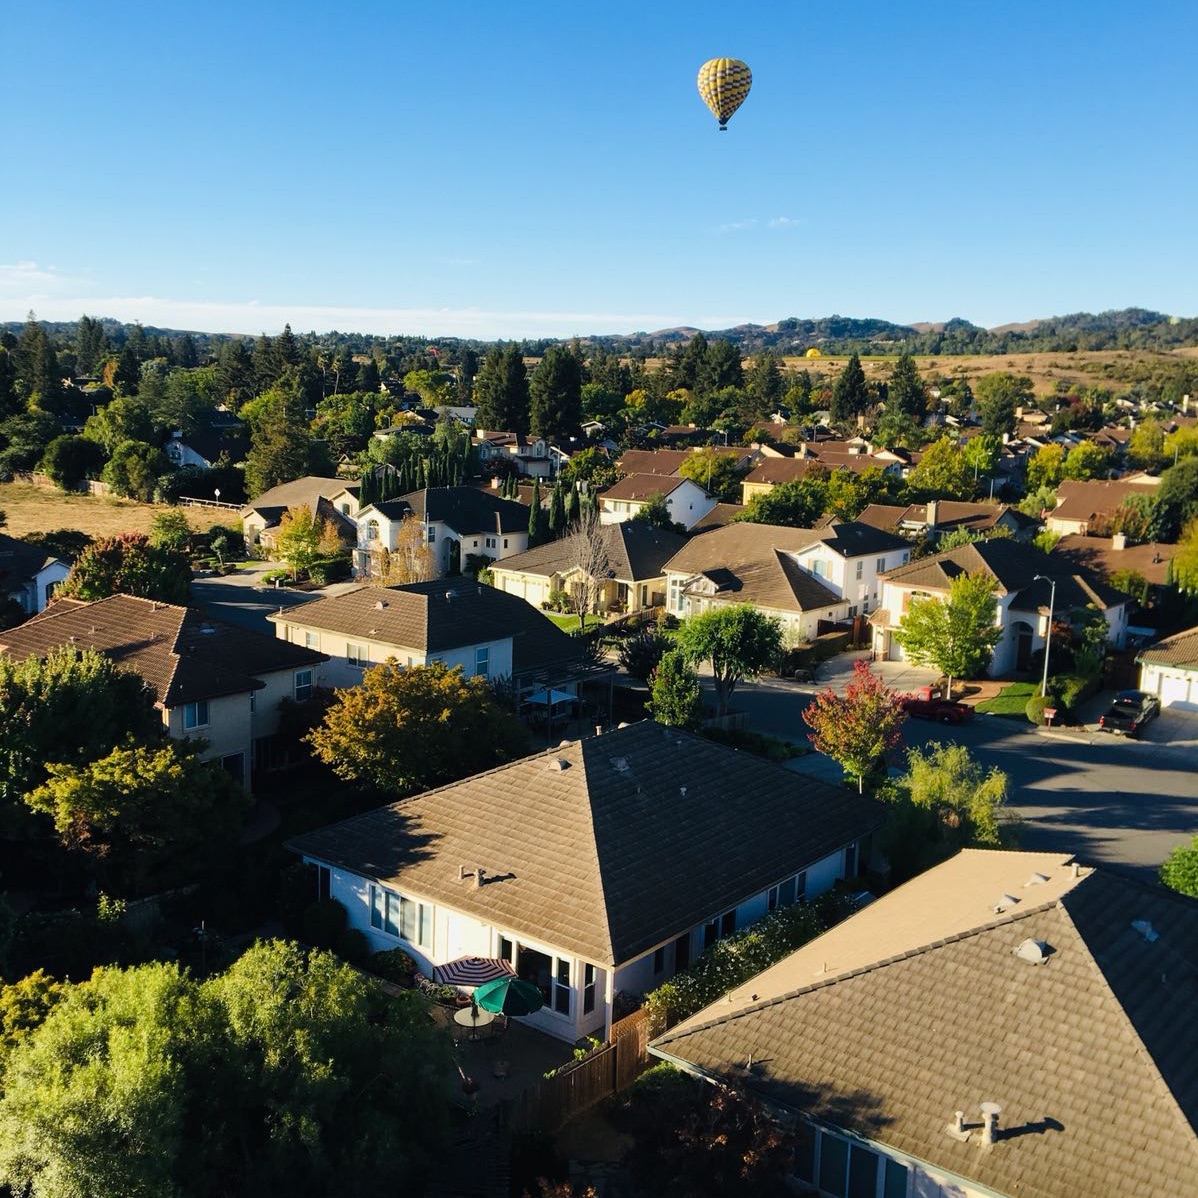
x,y
859,727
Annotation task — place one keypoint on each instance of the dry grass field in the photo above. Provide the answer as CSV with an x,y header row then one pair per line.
x,y
34,509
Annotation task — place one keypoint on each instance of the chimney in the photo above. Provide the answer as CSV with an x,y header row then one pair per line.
x,y
1119,541
933,512
990,1114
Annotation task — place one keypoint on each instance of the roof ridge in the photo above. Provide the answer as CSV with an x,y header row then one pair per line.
x,y
872,967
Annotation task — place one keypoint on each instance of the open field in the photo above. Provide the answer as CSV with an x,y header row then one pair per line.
x,y
33,509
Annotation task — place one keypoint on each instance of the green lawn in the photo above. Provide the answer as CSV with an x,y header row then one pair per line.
x,y
565,623
1010,701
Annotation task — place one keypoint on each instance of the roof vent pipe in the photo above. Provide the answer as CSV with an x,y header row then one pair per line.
x,y
959,1125
990,1114
1077,869
479,877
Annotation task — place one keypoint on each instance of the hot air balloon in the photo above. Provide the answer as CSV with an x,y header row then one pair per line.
x,y
723,84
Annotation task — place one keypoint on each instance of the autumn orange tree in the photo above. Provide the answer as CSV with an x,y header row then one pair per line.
x,y
858,727
404,730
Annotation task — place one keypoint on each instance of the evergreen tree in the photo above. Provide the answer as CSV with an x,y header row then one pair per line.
x,y
501,392
905,391
535,516
234,373
850,395
280,444
38,373
721,367
765,383
556,395
686,365
265,364
571,506
557,512
91,344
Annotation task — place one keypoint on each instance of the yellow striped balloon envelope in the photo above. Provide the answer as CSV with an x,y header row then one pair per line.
x,y
723,84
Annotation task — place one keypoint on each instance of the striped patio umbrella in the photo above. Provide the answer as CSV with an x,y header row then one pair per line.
x,y
472,971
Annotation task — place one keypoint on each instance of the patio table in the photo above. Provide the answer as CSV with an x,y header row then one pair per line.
x,y
473,1018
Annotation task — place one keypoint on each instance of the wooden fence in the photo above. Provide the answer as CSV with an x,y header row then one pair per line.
x,y
575,1087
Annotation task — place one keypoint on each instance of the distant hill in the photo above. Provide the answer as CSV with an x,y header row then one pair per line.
x,y
1127,329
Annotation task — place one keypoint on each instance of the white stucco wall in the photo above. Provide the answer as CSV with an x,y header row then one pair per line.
x,y
229,729
1176,686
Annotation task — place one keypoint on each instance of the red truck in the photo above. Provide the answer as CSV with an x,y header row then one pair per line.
x,y
926,705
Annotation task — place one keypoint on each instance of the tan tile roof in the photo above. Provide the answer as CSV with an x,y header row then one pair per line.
x,y
883,515
446,613
652,461
301,492
179,652
1096,498
750,563
634,837
641,487
636,551
721,514
1098,554
1181,649
1093,1054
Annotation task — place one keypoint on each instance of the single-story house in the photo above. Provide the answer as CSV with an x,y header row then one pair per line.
x,y
210,680
204,447
938,516
29,574
457,522
1169,669
1024,581
1006,1025
327,498
602,866
686,501
1087,507
453,620
635,578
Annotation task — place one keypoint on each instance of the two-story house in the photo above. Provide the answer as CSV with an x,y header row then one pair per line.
x,y
327,498
532,457
686,501
211,681
456,523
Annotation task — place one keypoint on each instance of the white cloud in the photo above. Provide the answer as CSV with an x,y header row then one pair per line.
x,y
783,222
738,226
31,280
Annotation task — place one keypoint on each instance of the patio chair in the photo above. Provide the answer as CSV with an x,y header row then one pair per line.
x,y
497,1029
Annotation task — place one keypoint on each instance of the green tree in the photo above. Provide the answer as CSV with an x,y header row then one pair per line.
x,y
591,466
640,654
942,472
1184,563
1180,870
905,390
537,519
280,442
676,694
655,512
501,392
1146,446
850,393
721,367
956,635
170,530
797,504
404,730
1176,499
39,377
857,728
998,396
1046,467
715,471
765,382
303,539
71,459
739,642
122,419
129,564
1087,460
555,394
143,814
134,469
69,707
91,344
981,455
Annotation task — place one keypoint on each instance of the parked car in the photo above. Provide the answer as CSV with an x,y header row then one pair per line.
x,y
931,708
1130,711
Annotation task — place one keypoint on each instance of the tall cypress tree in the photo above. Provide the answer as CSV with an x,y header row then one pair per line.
x,y
534,515
557,512
905,391
850,395
556,395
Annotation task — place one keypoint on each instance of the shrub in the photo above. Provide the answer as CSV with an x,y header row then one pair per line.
x,y
329,569
297,885
1076,688
1036,705
353,945
559,601
273,576
324,922
393,965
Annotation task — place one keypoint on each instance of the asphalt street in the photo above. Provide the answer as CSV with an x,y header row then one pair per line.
x,y
243,599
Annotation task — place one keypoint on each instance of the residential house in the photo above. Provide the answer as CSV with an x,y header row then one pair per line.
x,y
29,574
1169,670
686,501
210,680
635,578
1006,1025
670,461
1087,507
1024,581
456,621
205,447
938,516
771,472
327,498
457,522
600,867
1108,556
530,456
721,514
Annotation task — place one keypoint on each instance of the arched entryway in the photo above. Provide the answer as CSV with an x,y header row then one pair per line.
x,y
1023,633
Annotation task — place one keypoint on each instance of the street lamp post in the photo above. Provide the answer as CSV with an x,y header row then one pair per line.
x,y
1052,600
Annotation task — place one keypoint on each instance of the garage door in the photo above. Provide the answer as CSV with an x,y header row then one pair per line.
x,y
1175,691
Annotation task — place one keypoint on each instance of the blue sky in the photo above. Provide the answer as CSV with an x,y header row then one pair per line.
x,y
530,169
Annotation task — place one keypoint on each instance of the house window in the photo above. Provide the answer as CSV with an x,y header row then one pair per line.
x,y
432,535
682,951
850,861
195,715
490,542
820,568
357,655
234,765
880,564
589,973
311,640
303,685
906,556
324,882
833,1166
852,610
505,542
253,702
399,916
561,987
659,960
787,893
482,660
719,928
372,530
550,974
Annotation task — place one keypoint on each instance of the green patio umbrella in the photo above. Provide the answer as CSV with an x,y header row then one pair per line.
x,y
509,996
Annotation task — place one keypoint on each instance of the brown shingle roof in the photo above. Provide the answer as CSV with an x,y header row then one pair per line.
x,y
181,654
642,487
652,461
301,492
640,834
636,551
1098,554
1181,649
750,562
439,615
1095,499
721,514
1091,1054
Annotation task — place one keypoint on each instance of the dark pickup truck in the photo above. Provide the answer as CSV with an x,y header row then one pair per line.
x,y
1130,711
944,710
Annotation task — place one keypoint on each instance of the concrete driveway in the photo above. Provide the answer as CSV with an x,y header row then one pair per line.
x,y
242,598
